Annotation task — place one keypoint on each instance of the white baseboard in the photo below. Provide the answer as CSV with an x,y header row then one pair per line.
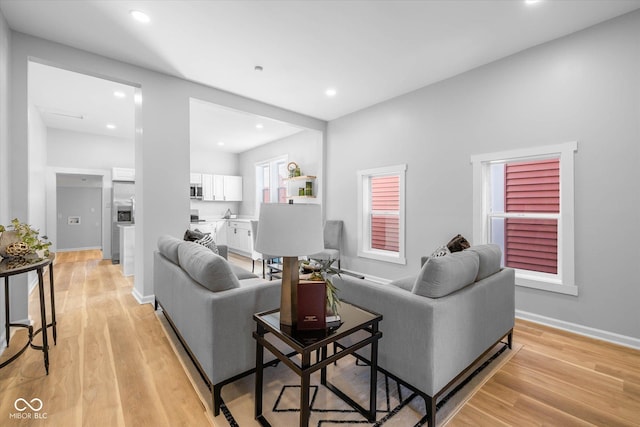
x,y
575,328
148,299
3,342
88,248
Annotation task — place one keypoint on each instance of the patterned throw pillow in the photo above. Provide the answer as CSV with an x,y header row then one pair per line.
x,y
207,241
441,251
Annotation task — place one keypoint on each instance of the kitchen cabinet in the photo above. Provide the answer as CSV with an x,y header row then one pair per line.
x,y
208,194
239,237
217,188
232,188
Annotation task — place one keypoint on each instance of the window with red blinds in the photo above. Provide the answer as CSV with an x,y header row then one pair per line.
x,y
532,187
385,213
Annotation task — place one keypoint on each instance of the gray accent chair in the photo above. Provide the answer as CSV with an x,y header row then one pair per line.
x,y
437,323
257,256
210,304
332,242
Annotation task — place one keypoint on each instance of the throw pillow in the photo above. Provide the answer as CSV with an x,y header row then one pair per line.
x,y
207,242
168,246
208,269
458,243
444,275
490,256
441,251
193,235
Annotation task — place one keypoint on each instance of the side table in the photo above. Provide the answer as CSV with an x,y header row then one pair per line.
x,y
10,268
304,343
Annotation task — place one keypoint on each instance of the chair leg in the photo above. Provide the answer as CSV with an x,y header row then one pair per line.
x,y
263,268
253,265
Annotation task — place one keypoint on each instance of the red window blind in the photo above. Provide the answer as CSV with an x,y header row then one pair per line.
x,y
532,187
385,213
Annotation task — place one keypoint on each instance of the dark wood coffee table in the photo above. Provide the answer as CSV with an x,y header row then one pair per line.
x,y
304,343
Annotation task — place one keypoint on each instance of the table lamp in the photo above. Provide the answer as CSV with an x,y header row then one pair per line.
x,y
289,231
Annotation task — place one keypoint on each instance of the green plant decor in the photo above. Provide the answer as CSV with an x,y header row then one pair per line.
x,y
28,235
324,272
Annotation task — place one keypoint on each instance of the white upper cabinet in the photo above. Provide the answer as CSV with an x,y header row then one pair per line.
x,y
232,188
219,188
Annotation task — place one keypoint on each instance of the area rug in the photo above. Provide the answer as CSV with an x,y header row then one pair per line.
x,y
397,405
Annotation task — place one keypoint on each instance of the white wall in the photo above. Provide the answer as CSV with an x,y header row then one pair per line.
x,y
5,40
583,87
37,167
161,151
83,150
86,203
305,148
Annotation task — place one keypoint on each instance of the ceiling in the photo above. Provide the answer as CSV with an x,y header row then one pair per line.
x,y
368,51
81,103
215,127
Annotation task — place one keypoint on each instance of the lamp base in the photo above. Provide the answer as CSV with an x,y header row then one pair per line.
x,y
289,292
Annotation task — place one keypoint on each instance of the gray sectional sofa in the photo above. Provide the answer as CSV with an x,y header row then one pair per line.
x,y
438,322
210,304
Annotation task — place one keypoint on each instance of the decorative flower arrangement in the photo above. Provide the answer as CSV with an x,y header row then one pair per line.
x,y
322,271
19,240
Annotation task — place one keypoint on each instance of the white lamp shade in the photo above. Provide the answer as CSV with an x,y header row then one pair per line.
x,y
289,230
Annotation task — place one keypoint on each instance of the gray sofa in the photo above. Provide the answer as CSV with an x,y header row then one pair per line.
x,y
438,322
210,304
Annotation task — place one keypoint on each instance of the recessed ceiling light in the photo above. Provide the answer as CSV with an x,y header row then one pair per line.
x,y
140,16
331,92
531,2
259,126
111,126
119,94
220,143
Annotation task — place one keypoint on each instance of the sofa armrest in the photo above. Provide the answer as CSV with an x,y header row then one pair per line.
x,y
223,251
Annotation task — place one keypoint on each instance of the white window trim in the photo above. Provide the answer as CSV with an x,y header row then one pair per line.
x,y
564,281
270,162
364,249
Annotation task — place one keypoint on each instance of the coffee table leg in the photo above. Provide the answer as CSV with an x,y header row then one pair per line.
x,y
7,325
259,372
373,386
305,383
53,305
43,316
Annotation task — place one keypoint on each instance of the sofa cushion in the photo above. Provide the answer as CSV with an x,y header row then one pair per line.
x,y
405,283
490,256
241,273
209,269
444,275
168,246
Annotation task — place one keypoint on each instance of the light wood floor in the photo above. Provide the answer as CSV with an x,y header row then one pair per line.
x,y
113,366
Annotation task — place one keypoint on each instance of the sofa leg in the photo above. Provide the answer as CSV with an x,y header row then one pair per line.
x,y
430,403
217,389
155,304
510,339
253,265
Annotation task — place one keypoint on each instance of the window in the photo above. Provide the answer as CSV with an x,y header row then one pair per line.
x,y
523,201
381,214
270,181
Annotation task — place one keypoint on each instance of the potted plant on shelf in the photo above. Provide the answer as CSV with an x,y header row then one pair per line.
x,y
20,240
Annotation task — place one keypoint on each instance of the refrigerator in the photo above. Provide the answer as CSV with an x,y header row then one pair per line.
x,y
122,213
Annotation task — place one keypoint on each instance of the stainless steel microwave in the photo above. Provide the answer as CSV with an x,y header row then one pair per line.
x,y
195,191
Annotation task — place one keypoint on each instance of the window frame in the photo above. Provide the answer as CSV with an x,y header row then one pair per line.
x,y
273,175
364,210
564,281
